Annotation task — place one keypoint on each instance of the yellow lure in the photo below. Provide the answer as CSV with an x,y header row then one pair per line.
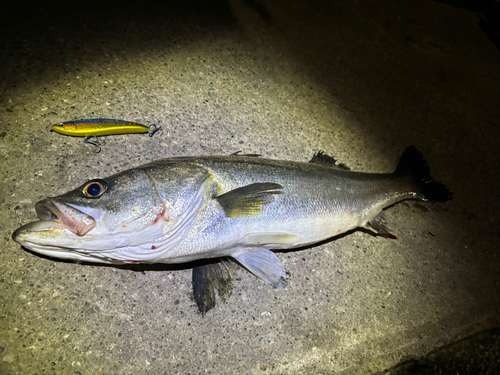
x,y
101,126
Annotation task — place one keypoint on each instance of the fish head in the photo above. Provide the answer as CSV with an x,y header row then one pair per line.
x,y
108,220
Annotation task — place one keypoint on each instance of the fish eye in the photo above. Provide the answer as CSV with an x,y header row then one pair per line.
x,y
95,188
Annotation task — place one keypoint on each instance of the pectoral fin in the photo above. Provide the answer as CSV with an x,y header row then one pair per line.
x,y
209,277
247,201
264,264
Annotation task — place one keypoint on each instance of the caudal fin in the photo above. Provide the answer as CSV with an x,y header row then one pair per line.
x,y
412,163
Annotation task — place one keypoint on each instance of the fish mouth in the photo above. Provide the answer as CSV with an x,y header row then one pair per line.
x,y
51,211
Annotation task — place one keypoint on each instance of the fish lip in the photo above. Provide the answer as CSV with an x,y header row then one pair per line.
x,y
71,218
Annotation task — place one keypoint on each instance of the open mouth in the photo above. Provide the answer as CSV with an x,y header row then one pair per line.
x,y
73,219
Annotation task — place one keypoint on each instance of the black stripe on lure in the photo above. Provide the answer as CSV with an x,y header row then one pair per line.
x,y
94,127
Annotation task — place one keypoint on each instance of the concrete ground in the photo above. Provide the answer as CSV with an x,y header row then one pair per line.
x,y
361,80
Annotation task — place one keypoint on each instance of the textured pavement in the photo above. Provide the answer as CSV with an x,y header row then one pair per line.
x,y
358,80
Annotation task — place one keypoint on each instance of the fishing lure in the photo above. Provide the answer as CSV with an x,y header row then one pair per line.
x,y
94,127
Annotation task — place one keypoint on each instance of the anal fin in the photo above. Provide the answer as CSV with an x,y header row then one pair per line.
x,y
262,263
379,225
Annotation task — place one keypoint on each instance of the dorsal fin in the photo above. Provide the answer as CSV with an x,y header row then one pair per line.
x,y
327,161
238,153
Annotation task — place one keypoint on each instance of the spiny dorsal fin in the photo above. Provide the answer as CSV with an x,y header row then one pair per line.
x,y
238,153
247,201
326,160
209,277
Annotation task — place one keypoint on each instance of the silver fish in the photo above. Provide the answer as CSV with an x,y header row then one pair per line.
x,y
183,209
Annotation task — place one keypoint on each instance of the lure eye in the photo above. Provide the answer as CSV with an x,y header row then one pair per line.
x,y
95,188
63,126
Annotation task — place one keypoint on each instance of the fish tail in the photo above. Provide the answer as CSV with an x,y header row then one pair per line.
x,y
413,165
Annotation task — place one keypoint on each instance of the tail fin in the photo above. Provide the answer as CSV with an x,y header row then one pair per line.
x,y
412,163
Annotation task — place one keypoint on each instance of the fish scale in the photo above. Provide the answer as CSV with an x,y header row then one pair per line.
x,y
190,208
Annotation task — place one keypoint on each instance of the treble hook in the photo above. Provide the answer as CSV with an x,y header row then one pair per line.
x,y
94,142
153,128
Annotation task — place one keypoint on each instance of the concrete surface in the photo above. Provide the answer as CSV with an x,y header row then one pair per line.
x,y
476,354
359,80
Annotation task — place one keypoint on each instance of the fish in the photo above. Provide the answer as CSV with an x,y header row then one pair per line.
x,y
240,208
100,126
